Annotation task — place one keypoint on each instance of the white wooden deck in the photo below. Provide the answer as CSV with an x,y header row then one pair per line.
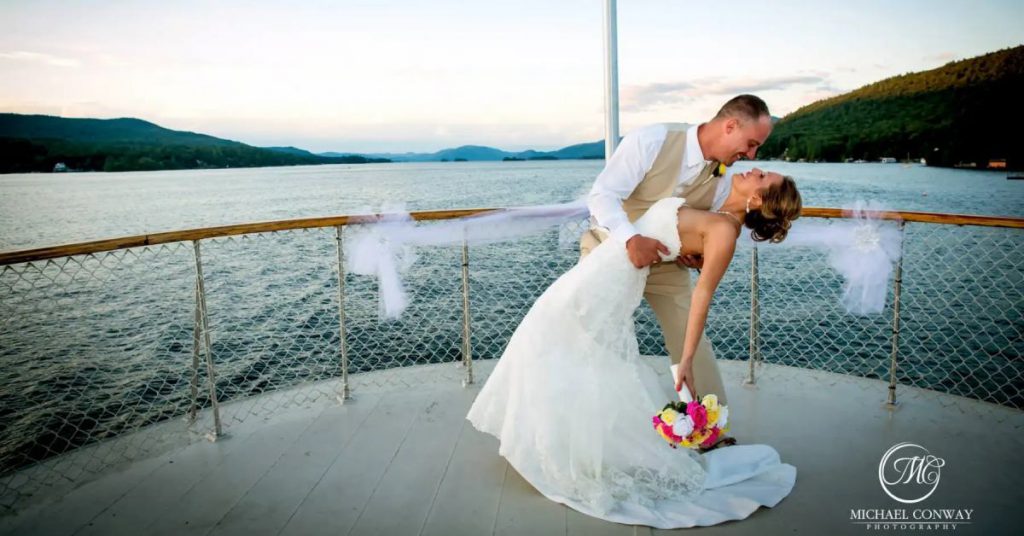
x,y
408,462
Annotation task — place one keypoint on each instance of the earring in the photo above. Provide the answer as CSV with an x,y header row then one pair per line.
x,y
748,204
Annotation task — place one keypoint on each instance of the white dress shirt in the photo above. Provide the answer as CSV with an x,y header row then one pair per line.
x,y
633,158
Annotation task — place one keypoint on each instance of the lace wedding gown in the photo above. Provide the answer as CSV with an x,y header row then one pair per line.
x,y
571,403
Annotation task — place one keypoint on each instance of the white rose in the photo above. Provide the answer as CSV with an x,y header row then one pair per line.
x,y
723,416
683,425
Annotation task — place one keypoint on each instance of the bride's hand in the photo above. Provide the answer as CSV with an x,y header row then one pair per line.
x,y
685,375
690,261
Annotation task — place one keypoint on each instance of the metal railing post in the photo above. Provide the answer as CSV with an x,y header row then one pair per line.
x,y
755,317
346,392
211,377
196,329
467,357
897,287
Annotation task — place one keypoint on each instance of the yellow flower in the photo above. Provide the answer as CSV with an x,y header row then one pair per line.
x,y
710,402
712,416
669,416
699,437
663,434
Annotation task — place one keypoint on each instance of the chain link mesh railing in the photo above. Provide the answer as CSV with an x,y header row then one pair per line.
x,y
272,308
962,313
93,347
961,328
105,354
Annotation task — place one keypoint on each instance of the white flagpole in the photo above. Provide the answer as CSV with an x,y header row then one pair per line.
x,y
611,80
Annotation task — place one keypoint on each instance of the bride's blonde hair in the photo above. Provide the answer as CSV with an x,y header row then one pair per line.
x,y
780,205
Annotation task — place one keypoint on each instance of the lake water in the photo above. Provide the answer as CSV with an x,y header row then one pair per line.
x,y
49,209
99,346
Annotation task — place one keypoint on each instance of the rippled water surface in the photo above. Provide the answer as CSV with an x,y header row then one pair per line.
x,y
49,209
97,346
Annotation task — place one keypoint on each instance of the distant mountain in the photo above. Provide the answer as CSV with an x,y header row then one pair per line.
x,y
582,150
965,112
290,150
123,130
471,152
41,142
481,153
38,143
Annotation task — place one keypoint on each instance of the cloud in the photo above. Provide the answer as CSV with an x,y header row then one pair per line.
x,y
38,57
96,109
635,98
818,94
394,137
111,60
30,107
645,97
941,57
87,109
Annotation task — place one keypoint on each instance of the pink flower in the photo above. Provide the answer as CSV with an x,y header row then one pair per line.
x,y
711,438
667,430
698,413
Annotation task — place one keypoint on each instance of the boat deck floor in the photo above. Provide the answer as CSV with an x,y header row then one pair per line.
x,y
405,461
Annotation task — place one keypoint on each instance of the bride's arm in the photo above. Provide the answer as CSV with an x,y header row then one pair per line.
x,y
719,245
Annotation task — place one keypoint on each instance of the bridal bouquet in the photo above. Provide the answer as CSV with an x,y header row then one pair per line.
x,y
692,424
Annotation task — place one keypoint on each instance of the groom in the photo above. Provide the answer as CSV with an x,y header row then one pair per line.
x,y
674,160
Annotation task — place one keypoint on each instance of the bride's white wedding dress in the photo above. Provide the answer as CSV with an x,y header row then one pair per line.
x,y
571,403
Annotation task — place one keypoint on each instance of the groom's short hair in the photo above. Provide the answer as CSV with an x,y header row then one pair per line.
x,y
744,107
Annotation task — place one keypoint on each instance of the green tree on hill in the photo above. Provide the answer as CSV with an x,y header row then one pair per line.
x,y
37,143
965,111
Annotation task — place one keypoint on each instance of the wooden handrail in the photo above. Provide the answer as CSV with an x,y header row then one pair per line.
x,y
97,246
921,217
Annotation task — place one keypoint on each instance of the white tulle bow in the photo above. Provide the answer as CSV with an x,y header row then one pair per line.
x,y
863,249
384,248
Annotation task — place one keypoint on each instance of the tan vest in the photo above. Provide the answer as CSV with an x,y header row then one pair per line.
x,y
663,178
662,181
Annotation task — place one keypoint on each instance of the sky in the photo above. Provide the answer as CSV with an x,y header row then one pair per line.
x,y
423,75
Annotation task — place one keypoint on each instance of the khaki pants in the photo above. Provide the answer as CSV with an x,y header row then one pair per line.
x,y
668,292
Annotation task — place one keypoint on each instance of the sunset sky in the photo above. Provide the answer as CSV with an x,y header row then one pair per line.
x,y
378,75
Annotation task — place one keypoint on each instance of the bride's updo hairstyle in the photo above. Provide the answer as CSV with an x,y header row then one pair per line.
x,y
780,205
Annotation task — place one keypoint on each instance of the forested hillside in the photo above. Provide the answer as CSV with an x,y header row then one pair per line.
x,y
966,111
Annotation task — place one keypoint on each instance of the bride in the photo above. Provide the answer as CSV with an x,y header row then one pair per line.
x,y
571,400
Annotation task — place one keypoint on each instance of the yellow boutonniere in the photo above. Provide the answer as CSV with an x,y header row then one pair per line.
x,y
719,170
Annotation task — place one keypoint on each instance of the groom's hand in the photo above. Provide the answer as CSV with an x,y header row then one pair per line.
x,y
643,251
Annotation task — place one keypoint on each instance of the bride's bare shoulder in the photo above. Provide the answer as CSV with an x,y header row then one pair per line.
x,y
700,215
689,212
707,221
